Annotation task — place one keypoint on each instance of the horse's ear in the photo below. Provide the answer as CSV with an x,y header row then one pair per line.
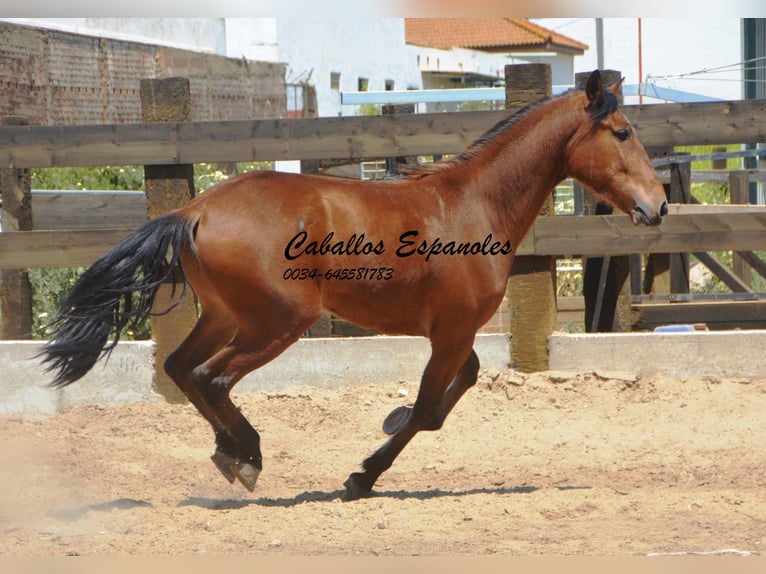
x,y
615,88
595,90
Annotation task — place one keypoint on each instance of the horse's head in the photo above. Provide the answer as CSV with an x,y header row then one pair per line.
x,y
606,156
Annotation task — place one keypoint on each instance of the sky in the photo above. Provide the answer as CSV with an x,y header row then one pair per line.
x,y
472,8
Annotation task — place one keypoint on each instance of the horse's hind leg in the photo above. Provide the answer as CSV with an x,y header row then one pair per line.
x,y
450,371
216,377
211,333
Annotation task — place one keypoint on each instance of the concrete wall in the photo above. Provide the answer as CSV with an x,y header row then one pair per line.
x,y
129,373
323,363
683,354
126,377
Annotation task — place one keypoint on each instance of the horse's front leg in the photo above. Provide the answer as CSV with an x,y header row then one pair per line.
x,y
446,377
464,380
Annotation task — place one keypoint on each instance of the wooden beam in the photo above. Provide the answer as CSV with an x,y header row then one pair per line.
x,y
679,191
249,140
168,187
739,192
40,249
699,123
15,287
755,262
341,138
687,228
531,288
59,210
731,280
715,314
682,231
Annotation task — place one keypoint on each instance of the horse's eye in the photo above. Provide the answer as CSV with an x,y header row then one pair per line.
x,y
623,134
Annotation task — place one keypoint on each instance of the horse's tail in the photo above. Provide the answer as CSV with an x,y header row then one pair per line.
x,y
117,291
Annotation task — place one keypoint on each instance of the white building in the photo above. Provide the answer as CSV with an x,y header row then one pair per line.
x,y
333,54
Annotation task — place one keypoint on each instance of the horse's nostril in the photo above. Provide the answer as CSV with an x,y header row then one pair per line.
x,y
664,209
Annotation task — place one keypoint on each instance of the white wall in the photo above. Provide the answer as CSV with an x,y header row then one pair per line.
x,y
459,60
252,39
371,48
670,46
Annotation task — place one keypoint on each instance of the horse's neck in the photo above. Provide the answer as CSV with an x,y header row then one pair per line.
x,y
517,171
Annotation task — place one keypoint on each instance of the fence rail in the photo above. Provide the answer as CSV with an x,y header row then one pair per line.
x,y
358,137
687,228
452,95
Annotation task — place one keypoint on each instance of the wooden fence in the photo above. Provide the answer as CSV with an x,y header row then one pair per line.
x,y
687,229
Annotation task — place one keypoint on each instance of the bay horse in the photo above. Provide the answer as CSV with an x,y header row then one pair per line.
x,y
426,254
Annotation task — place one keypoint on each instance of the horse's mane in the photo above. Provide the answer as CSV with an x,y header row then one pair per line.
x,y
418,171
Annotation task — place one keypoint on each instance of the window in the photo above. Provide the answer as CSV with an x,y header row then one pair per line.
x,y
363,83
335,81
294,100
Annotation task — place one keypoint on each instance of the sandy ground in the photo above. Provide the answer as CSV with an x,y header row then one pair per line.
x,y
551,463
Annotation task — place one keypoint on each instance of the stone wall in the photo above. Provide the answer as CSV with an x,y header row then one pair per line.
x,y
57,78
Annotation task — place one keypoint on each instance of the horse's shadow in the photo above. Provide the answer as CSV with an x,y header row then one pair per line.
x,y
322,496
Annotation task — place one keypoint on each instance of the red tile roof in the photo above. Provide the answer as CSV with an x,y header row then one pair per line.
x,y
491,34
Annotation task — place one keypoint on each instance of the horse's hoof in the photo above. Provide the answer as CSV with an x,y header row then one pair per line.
x,y
355,489
226,464
247,475
396,419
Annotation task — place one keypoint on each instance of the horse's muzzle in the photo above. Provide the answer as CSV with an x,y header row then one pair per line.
x,y
641,217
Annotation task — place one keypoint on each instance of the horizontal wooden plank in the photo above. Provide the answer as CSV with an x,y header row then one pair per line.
x,y
58,210
339,138
718,176
686,229
701,228
262,140
699,123
32,249
715,314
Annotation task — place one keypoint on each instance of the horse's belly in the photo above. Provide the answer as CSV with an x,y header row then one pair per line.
x,y
389,311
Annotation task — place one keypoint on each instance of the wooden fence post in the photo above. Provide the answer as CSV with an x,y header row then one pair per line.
x,y
739,192
680,191
606,288
322,327
668,273
531,290
393,163
15,289
656,278
168,187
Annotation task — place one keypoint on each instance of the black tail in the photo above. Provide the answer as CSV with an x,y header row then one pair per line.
x,y
115,292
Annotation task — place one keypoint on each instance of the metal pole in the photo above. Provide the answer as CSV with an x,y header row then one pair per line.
x,y
600,43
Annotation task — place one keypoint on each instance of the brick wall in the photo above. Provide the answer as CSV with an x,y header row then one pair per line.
x,y
56,78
